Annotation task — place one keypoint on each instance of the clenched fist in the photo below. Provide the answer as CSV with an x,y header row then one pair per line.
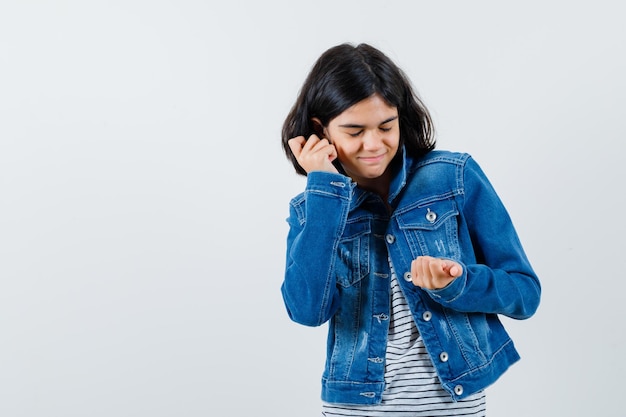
x,y
434,273
314,154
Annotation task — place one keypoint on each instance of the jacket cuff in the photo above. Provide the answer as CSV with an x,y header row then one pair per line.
x,y
452,291
329,183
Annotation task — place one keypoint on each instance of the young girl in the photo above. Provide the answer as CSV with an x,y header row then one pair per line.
x,y
406,251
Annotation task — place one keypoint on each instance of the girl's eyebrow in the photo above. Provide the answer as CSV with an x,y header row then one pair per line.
x,y
356,126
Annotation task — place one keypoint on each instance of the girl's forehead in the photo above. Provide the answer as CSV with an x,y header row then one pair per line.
x,y
373,109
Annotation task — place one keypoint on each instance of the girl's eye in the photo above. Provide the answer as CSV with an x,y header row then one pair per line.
x,y
354,135
385,129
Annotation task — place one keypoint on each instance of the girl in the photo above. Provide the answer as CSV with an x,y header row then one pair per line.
x,y
406,251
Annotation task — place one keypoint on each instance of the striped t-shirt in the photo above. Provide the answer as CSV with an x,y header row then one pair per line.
x,y
412,387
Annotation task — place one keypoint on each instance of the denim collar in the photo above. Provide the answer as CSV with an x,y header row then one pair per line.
x,y
398,181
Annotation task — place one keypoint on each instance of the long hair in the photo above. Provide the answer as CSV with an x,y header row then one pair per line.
x,y
343,76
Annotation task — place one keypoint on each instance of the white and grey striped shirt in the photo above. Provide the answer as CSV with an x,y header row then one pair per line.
x,y
412,387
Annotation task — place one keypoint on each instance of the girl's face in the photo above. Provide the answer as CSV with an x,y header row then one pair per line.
x,y
366,136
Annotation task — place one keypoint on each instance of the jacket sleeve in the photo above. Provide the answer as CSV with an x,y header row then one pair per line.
x,y
501,281
316,222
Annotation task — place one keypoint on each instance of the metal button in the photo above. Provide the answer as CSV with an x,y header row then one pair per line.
x,y
458,390
443,356
407,276
431,216
390,238
427,315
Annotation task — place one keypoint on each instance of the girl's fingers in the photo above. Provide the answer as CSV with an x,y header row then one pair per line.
x,y
313,154
433,273
296,144
452,268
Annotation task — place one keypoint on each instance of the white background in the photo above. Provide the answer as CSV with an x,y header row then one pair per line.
x,y
143,194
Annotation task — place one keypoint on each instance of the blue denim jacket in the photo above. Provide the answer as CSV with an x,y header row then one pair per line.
x,y
337,269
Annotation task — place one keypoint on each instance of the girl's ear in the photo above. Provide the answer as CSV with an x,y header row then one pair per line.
x,y
318,127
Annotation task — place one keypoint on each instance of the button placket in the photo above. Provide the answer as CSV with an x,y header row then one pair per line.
x,y
380,317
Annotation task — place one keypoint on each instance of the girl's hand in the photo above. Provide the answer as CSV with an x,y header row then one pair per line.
x,y
314,154
434,273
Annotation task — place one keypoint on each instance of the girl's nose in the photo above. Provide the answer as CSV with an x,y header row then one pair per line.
x,y
372,139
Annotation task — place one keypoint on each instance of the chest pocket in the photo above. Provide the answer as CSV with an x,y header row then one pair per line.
x,y
432,229
352,260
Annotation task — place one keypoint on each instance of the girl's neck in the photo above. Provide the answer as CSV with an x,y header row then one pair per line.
x,y
378,185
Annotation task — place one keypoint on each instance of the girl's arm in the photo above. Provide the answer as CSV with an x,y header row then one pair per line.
x,y
316,222
502,280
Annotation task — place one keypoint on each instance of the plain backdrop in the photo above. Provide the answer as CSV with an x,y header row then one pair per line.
x,y
143,194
